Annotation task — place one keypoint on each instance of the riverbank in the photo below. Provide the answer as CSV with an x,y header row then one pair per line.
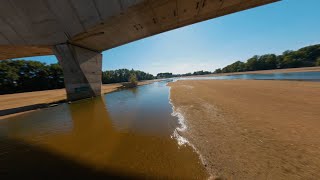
x,y
289,70
14,104
249,129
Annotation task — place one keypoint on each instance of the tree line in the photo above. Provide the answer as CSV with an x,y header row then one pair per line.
x,y
24,76
305,57
170,75
122,75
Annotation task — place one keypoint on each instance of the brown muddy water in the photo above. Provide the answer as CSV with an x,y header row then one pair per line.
x,y
124,134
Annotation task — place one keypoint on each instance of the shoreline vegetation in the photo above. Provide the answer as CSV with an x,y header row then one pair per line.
x,y
271,71
308,56
252,129
18,76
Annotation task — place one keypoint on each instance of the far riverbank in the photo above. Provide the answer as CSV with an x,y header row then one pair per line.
x,y
14,104
289,70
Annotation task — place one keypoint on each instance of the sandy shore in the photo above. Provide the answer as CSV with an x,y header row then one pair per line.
x,y
247,129
12,101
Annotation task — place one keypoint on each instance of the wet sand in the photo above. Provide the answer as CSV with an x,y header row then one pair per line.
x,y
249,129
27,99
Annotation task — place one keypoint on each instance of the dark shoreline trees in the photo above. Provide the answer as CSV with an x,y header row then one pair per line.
x,y
18,76
170,75
122,75
305,57
24,76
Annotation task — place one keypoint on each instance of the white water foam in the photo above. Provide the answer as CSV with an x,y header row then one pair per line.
x,y
183,127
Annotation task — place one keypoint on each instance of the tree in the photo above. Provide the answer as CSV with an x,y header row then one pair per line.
x,y
8,77
268,61
238,66
164,75
217,71
133,79
122,75
23,76
55,76
252,64
318,61
201,72
304,57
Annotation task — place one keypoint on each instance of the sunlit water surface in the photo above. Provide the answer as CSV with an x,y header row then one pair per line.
x,y
124,134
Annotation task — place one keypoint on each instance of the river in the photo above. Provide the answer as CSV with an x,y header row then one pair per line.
x,y
123,134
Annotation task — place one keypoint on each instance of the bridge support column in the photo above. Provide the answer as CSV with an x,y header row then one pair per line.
x,y
82,70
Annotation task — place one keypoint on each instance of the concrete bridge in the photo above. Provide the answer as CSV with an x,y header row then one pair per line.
x,y
77,31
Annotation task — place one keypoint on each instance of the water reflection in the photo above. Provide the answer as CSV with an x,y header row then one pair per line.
x,y
126,133
143,110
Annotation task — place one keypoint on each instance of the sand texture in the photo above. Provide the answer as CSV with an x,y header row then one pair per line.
x,y
250,129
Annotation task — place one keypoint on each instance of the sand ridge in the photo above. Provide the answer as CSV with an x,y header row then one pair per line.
x,y
253,129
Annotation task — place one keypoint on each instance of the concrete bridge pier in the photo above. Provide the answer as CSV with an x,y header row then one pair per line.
x,y
82,70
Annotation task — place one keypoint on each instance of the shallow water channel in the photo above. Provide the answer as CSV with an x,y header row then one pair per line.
x,y
124,134
293,76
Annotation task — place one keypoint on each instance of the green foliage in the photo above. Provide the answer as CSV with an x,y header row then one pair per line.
x,y
133,79
201,72
235,67
217,71
164,75
170,75
22,76
122,75
318,61
304,57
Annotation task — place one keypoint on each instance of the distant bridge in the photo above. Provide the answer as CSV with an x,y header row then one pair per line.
x,y
76,31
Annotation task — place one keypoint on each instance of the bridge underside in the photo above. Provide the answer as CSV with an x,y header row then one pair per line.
x,y
77,30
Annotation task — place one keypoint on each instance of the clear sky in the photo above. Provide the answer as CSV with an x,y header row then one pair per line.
x,y
274,28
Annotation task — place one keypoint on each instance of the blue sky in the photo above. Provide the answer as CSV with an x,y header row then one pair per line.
x,y
286,25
